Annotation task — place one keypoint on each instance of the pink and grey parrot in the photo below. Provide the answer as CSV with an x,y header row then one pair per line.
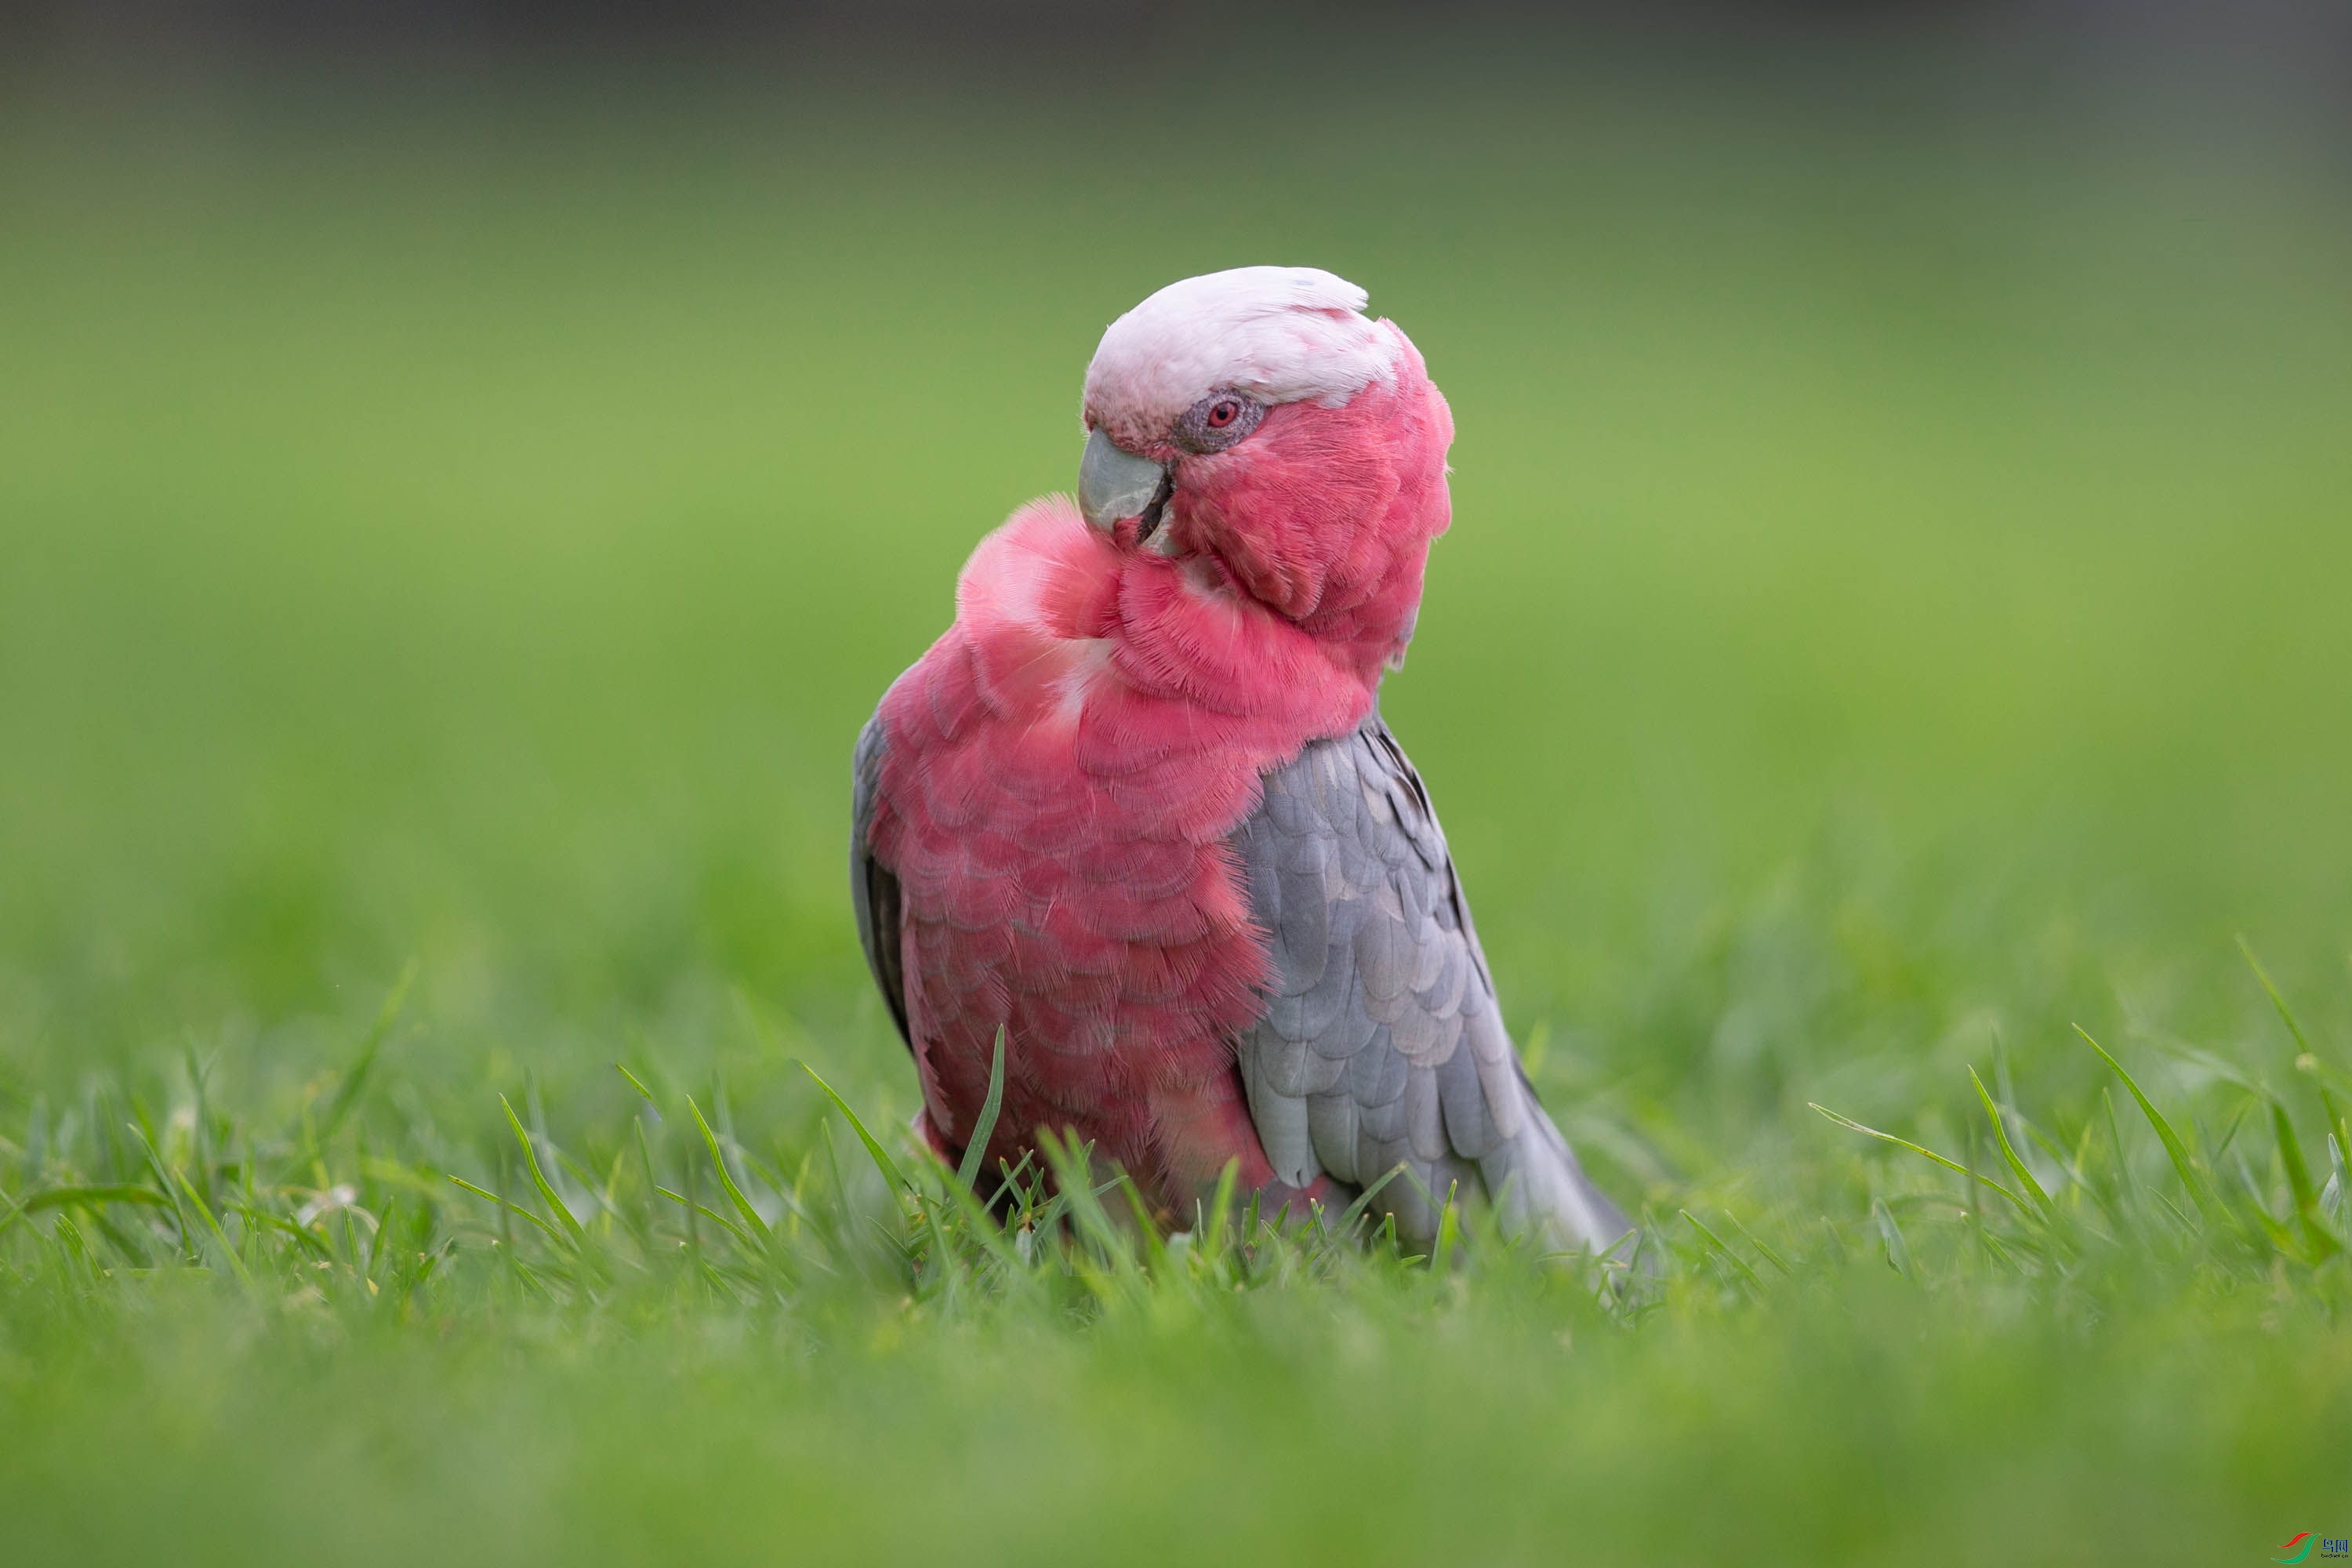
x,y
1138,808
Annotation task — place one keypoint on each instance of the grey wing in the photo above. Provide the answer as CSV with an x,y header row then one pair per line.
x,y
1382,1043
874,886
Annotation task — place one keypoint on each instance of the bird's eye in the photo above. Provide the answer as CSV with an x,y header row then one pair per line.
x,y
1217,421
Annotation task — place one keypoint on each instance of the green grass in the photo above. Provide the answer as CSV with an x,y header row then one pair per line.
x,y
1895,616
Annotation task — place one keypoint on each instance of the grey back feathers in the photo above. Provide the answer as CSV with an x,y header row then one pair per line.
x,y
874,886
1382,1043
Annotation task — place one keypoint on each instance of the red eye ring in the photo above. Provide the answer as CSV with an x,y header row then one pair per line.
x,y
1223,414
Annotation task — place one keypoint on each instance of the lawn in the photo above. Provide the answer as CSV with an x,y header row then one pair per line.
x,y
1893,628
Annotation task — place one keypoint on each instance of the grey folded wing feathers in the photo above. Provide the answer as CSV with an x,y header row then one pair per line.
x,y
873,886
1382,1043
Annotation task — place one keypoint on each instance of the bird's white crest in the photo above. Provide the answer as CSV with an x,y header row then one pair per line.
x,y
1281,334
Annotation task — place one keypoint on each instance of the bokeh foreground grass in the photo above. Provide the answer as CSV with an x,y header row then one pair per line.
x,y
1894,616
667,1345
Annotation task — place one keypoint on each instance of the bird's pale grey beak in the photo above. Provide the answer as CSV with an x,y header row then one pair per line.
x,y
1114,484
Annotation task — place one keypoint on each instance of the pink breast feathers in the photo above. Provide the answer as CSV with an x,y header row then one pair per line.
x,y
1063,770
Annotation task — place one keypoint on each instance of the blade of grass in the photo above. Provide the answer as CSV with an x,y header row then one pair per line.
x,y
882,1161
1354,1211
261,1219
1154,1249
976,1150
2281,1239
539,1179
2254,1096
726,1180
2009,1155
89,1196
2298,1180
2188,1222
507,1205
2339,1126
2199,1193
2286,1013
1449,1230
1853,1125
2127,1188
384,1228
163,1180
346,1093
204,1210
1221,1209
1770,1257
1715,1245
981,1224
643,1092
1072,1163
742,1236
2339,1180
1890,1236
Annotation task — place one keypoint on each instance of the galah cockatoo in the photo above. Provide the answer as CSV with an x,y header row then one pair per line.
x,y
1138,808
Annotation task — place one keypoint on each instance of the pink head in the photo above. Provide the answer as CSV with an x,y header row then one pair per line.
x,y
1257,426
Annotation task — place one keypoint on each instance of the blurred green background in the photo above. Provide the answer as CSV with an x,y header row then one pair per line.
x,y
1895,610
